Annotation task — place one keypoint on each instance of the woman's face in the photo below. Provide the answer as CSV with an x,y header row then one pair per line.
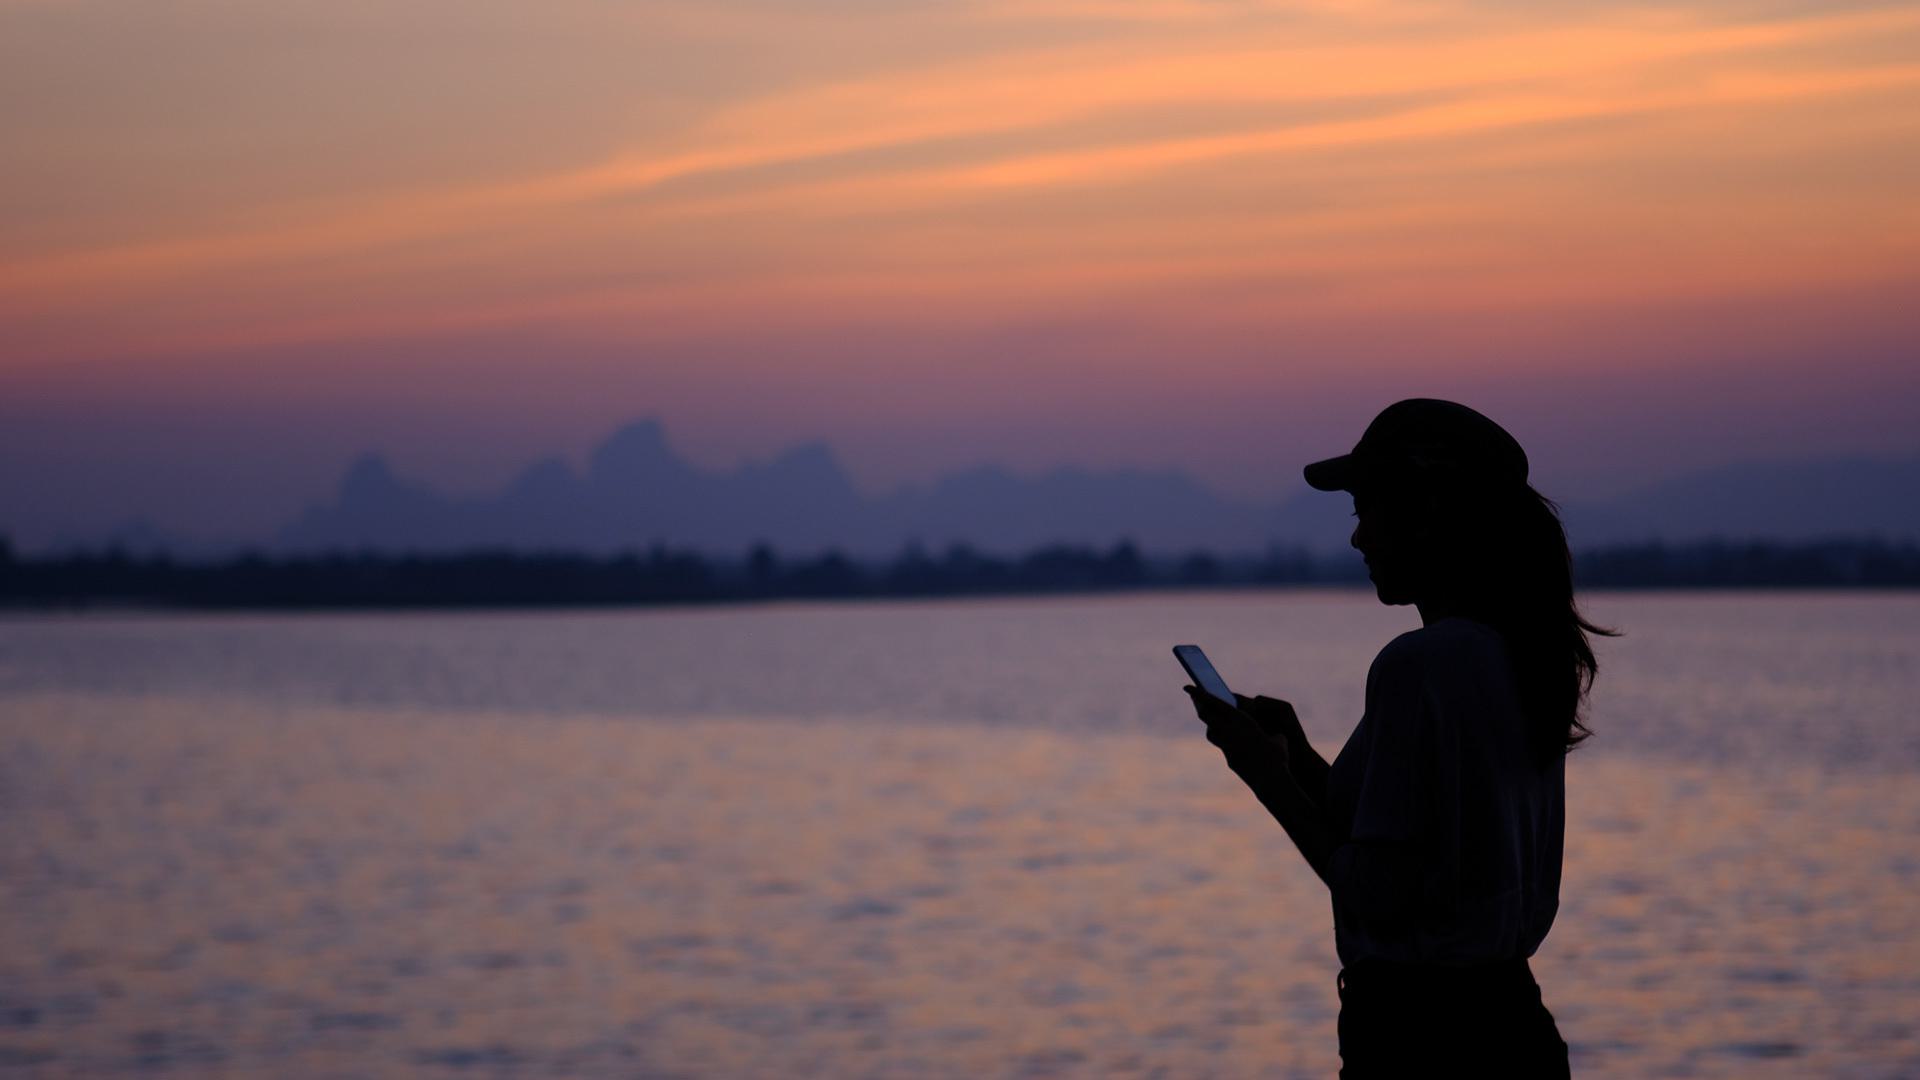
x,y
1390,533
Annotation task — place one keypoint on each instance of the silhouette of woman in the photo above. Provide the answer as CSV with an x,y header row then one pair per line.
x,y
1438,826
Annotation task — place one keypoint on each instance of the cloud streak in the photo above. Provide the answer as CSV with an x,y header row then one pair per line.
x,y
1016,123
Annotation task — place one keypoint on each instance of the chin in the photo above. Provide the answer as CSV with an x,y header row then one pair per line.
x,y
1389,593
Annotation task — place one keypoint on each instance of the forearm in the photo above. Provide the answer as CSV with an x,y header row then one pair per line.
x,y
1278,719
1299,814
1309,769
1383,878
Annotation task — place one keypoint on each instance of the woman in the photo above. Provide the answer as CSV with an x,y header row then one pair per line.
x,y
1438,826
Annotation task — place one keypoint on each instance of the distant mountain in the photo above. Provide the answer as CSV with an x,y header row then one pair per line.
x,y
636,491
1778,500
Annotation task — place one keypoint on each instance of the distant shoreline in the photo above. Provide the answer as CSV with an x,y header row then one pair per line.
x,y
667,577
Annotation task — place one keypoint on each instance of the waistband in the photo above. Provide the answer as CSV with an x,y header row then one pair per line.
x,y
1376,974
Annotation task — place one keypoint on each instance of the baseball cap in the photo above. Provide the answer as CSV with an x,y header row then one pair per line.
x,y
1426,438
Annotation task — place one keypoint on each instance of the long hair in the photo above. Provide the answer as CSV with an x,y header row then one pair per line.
x,y
1506,559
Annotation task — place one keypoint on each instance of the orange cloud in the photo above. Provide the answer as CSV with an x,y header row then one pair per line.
x,y
827,192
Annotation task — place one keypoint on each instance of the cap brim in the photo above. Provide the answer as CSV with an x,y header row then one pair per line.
x,y
1333,474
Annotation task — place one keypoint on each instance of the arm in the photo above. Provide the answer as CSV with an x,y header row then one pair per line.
x,y
1300,815
1277,718
1263,762
1378,870
1382,877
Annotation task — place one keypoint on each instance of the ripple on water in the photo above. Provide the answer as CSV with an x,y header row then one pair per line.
x,y
17,1055
353,1021
162,1049
863,907
847,1013
1772,976
1050,1062
493,960
1761,1051
490,1056
762,1019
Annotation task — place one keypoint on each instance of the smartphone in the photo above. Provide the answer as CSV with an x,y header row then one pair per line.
x,y
1200,670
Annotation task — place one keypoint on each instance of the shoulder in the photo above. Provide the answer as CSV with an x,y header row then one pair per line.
x,y
1443,648
1442,644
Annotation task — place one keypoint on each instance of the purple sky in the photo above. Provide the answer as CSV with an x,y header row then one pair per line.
x,y
241,244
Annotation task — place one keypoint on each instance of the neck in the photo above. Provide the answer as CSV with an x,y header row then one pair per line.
x,y
1434,608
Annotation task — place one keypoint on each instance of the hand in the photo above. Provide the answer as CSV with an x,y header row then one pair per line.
x,y
1274,716
1248,747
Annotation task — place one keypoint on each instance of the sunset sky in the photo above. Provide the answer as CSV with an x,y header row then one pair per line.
x,y
241,242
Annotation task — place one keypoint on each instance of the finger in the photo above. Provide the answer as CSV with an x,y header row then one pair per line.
x,y
1231,725
1206,703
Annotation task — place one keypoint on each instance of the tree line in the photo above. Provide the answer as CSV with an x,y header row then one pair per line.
x,y
662,575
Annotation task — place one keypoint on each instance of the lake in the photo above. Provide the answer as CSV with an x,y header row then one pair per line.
x,y
953,839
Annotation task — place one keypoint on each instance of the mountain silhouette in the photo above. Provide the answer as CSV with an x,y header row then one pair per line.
x,y
1775,500
636,491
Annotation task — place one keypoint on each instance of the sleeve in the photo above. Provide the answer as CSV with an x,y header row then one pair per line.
x,y
1387,871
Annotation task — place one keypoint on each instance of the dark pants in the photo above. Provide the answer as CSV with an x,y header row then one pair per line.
x,y
1402,1020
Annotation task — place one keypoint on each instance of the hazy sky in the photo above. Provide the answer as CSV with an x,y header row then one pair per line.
x,y
242,241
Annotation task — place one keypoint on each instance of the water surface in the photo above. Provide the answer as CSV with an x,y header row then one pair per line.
x,y
897,839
